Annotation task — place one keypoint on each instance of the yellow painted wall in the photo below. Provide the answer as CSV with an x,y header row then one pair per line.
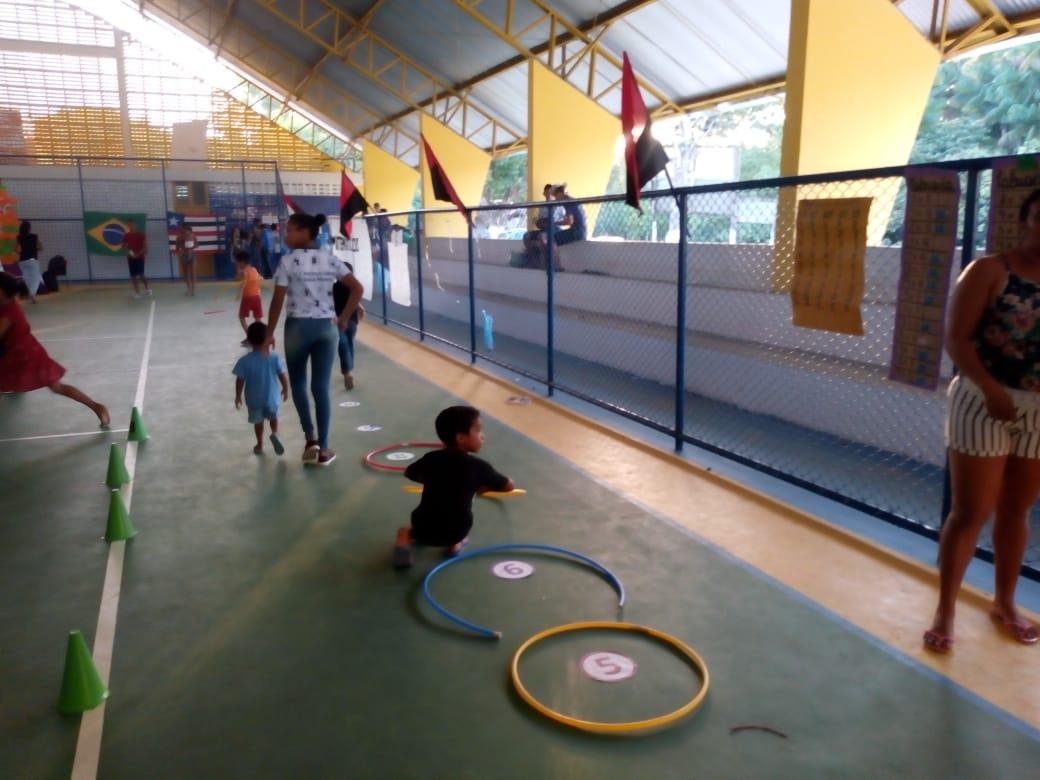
x,y
388,181
466,166
570,139
858,79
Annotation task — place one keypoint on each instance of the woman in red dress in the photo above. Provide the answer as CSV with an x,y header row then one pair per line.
x,y
24,363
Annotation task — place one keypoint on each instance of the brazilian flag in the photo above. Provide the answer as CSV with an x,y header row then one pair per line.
x,y
105,230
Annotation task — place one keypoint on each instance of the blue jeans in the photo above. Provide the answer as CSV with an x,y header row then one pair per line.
x,y
314,340
346,348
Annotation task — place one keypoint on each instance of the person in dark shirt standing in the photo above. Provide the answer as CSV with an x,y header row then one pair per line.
x,y
450,478
136,245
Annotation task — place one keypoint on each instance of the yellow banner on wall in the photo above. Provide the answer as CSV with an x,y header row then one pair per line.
x,y
830,245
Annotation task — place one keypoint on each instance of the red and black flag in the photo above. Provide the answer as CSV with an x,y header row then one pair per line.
x,y
644,155
292,205
442,189
351,202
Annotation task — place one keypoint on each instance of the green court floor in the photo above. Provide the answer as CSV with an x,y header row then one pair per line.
x,y
262,633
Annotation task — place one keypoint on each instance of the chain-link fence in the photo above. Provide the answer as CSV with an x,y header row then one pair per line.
x,y
79,206
597,313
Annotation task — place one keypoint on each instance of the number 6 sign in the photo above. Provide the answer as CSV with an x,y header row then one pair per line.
x,y
608,667
512,570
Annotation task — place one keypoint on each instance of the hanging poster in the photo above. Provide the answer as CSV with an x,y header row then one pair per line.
x,y
929,242
400,274
357,251
1013,179
830,244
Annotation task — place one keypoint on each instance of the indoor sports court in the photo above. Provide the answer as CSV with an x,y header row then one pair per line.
x,y
700,270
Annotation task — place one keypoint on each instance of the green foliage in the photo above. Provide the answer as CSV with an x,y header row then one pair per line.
x,y
507,180
709,228
983,106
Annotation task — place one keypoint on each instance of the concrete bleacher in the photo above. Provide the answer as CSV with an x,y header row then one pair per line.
x,y
616,303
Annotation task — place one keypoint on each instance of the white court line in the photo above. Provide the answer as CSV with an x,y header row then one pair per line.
x,y
99,432
88,745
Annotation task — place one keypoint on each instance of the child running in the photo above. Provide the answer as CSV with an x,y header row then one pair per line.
x,y
340,297
24,363
259,373
450,477
251,302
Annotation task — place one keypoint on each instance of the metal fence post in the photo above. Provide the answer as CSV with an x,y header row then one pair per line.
x,y
83,218
971,195
384,263
166,215
550,295
245,197
472,291
418,274
680,330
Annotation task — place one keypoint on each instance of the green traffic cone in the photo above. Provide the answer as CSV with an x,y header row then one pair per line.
x,y
119,527
117,473
137,430
81,686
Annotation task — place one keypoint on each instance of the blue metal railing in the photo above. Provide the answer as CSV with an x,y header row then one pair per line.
x,y
676,429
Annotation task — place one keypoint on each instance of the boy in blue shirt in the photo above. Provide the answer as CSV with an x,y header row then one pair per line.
x,y
259,373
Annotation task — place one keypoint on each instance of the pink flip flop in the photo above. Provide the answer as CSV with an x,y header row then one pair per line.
x,y
1019,630
938,642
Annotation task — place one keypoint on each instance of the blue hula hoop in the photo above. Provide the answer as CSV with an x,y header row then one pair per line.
x,y
611,578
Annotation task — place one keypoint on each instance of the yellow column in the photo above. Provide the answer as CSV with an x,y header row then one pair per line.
x,y
570,138
858,79
466,166
388,181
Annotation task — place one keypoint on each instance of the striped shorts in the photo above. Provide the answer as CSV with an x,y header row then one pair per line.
x,y
971,430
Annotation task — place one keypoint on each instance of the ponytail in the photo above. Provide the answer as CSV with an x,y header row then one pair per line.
x,y
311,223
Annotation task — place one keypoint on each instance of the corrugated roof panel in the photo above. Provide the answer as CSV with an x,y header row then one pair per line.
x,y
439,36
698,47
505,96
367,91
960,16
1018,7
274,31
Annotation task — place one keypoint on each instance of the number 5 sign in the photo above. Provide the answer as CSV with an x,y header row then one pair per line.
x,y
608,667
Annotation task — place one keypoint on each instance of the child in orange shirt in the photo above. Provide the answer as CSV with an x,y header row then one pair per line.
x,y
251,302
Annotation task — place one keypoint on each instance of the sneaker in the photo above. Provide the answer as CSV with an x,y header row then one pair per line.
x,y
279,448
348,381
148,292
311,453
325,458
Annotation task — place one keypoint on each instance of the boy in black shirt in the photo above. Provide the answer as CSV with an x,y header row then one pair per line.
x,y
450,478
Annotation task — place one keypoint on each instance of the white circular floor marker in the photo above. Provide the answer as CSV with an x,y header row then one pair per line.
x,y
350,404
512,570
605,666
369,428
400,456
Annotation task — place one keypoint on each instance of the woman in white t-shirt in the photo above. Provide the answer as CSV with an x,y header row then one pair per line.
x,y
303,284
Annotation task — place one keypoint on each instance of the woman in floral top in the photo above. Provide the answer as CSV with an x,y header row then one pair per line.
x,y
993,425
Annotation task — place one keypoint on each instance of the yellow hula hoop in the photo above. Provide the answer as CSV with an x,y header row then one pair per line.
x,y
416,489
612,728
